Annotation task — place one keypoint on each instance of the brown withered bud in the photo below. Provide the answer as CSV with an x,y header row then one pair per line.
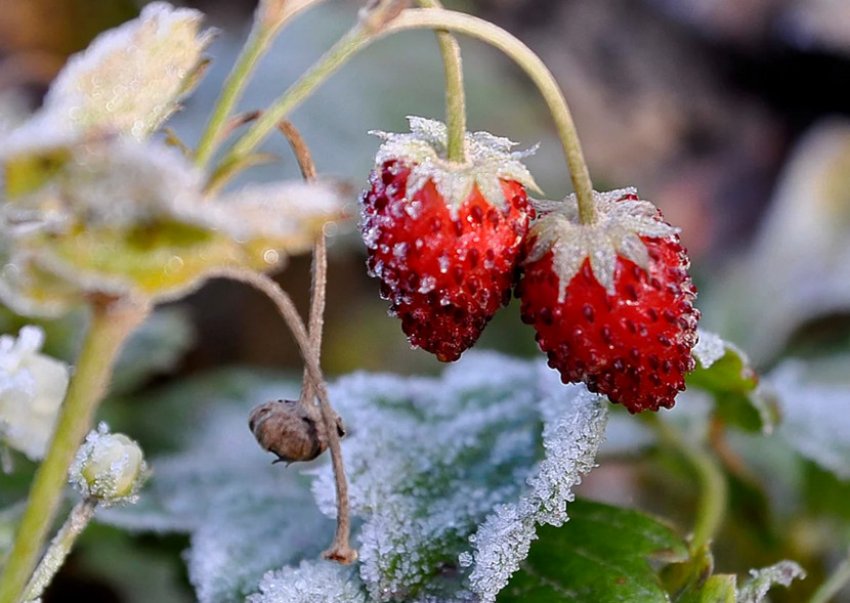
x,y
291,430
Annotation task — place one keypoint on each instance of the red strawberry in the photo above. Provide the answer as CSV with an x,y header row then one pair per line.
x,y
612,301
444,237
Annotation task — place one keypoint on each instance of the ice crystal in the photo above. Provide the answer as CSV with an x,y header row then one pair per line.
x,y
575,424
621,220
762,580
489,160
710,348
429,459
815,419
131,78
310,582
32,387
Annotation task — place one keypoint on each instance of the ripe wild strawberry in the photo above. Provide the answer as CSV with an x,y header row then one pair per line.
x,y
612,301
444,237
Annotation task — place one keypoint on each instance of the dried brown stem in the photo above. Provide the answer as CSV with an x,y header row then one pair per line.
x,y
300,148
340,549
236,122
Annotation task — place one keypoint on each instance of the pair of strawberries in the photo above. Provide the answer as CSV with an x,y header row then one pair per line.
x,y
611,301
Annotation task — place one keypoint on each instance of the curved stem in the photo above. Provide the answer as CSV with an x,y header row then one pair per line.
x,y
340,549
269,18
714,493
111,324
455,97
836,581
59,548
359,37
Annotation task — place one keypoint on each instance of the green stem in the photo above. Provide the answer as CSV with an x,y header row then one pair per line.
x,y
359,37
455,97
59,548
269,18
836,581
111,323
714,493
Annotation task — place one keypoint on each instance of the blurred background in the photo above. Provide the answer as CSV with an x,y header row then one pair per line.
x,y
733,117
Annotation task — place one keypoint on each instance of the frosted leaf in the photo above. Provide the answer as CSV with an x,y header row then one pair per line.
x,y
429,459
245,516
288,215
762,580
32,387
310,582
799,267
815,419
131,78
621,219
709,348
488,159
575,426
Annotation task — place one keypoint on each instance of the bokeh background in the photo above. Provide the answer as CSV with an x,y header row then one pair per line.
x,y
733,117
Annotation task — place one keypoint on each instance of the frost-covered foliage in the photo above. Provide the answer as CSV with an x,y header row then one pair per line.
x,y
131,78
244,515
801,258
762,580
429,461
815,418
310,582
443,468
32,387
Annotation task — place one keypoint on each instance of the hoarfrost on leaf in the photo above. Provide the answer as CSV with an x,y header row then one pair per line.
x,y
761,581
131,78
245,516
32,387
310,582
429,459
815,418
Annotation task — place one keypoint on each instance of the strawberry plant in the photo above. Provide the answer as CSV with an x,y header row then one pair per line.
x,y
648,460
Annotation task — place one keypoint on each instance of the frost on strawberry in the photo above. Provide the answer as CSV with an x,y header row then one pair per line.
x,y
612,301
444,237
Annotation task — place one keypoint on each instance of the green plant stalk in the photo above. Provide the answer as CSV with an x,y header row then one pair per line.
x,y
60,547
455,96
836,581
111,324
361,36
714,492
269,19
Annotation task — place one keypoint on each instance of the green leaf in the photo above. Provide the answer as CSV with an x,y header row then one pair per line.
x,y
600,555
725,372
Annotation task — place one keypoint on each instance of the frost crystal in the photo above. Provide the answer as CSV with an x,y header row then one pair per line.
x,y
433,457
710,348
815,419
131,78
310,582
762,580
575,425
621,220
489,160
32,387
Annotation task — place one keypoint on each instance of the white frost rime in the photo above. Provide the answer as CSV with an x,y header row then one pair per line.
x,y
431,458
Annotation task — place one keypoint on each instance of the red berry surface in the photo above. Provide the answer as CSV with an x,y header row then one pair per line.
x,y
445,271
633,342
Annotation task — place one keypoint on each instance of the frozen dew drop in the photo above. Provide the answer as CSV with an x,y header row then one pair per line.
x,y
427,284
